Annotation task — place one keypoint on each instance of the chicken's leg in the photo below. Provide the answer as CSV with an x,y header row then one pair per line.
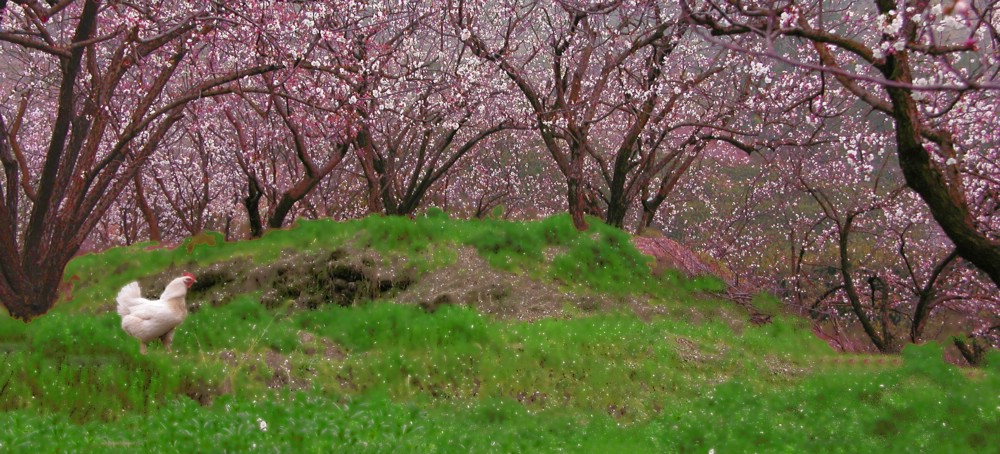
x,y
167,339
142,347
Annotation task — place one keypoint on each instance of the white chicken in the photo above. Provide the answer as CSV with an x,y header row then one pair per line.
x,y
146,319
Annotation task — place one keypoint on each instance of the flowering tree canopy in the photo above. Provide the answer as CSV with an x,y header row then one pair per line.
x,y
97,89
930,69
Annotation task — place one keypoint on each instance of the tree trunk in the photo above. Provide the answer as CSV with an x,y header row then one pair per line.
x,y
26,306
365,150
10,168
252,203
971,350
649,209
667,185
28,295
927,299
281,210
303,187
618,200
574,194
920,316
390,205
228,227
617,207
147,212
947,204
883,341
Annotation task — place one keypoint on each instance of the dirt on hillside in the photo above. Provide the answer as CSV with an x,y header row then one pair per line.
x,y
349,275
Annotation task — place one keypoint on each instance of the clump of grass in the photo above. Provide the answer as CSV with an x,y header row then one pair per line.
x,y
925,406
244,324
506,245
601,258
855,411
605,260
611,363
615,362
86,368
407,328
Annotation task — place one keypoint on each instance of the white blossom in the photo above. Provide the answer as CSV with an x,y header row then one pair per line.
x,y
890,23
758,69
949,23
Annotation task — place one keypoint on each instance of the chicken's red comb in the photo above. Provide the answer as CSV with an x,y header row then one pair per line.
x,y
190,276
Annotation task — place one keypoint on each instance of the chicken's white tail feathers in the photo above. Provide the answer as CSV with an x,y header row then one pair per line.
x,y
128,296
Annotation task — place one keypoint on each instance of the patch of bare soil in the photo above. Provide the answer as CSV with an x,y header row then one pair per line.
x,y
471,281
349,275
309,280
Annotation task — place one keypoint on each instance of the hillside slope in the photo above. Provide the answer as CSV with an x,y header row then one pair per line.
x,y
441,335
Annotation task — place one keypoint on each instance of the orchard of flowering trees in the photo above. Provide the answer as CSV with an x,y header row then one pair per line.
x,y
844,155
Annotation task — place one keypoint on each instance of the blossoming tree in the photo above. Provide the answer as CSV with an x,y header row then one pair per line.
x,y
97,87
930,69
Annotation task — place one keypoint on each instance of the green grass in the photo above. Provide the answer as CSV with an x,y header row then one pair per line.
x,y
601,259
382,376
925,406
83,366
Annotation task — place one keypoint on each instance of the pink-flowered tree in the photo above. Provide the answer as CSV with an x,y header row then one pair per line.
x,y
283,133
187,186
283,146
930,70
602,83
846,242
509,177
425,106
896,273
92,91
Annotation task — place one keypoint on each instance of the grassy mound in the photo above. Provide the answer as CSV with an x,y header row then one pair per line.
x,y
657,365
